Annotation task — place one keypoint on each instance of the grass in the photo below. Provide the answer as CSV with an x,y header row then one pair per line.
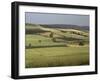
x,y
48,54
45,41
57,56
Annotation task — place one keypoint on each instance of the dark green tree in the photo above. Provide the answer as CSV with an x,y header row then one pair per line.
x,y
54,39
81,43
30,45
51,35
39,41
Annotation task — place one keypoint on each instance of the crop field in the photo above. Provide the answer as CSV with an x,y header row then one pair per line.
x,y
57,56
53,47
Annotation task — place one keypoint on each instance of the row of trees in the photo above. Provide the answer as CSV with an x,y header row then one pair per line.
x,y
81,43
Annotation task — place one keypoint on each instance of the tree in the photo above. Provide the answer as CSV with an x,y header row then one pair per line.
x,y
30,45
51,34
54,39
81,43
39,41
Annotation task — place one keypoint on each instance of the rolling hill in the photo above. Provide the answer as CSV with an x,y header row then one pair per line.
x,y
57,32
66,26
60,46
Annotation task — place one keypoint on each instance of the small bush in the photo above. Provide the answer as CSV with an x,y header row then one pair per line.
x,y
51,34
30,45
81,43
54,39
39,41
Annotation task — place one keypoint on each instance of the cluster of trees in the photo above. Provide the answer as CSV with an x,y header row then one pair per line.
x,y
31,31
79,33
81,43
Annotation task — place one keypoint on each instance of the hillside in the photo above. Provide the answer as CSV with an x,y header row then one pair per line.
x,y
64,26
58,32
59,46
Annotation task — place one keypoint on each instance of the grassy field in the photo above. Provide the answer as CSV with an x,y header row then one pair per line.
x,y
45,41
57,56
71,47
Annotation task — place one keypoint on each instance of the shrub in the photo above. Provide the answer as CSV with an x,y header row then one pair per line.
x,y
81,43
30,45
51,34
39,41
54,39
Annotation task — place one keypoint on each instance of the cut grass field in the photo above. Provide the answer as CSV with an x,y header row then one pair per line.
x,y
71,47
45,41
34,40
57,56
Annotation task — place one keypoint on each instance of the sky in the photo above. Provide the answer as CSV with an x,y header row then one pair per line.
x,y
48,18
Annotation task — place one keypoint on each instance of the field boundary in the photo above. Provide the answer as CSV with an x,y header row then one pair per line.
x,y
28,47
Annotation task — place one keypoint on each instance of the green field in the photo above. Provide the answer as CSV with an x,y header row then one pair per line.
x,y
57,56
45,41
63,48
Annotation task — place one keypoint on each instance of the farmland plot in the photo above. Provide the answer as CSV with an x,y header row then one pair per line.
x,y
52,47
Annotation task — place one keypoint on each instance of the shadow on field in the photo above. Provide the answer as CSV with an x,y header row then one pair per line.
x,y
30,47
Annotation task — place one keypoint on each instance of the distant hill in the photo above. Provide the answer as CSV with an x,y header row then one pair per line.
x,y
63,26
65,33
